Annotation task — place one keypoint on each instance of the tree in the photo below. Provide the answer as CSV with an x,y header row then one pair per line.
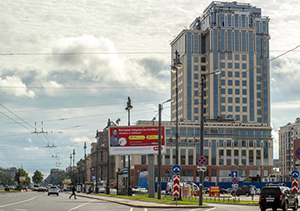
x,y
22,173
37,177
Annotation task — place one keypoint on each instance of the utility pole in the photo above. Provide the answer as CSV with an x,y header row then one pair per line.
x,y
73,165
97,160
108,164
128,108
85,173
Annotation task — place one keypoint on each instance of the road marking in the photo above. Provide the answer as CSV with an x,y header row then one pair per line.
x,y
145,209
74,208
202,209
131,209
20,202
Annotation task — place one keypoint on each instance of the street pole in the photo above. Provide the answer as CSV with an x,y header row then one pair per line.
x,y
128,108
201,141
73,165
107,191
159,153
85,173
97,160
203,77
177,135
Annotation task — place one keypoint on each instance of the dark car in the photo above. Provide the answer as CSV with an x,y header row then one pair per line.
x,y
277,197
244,190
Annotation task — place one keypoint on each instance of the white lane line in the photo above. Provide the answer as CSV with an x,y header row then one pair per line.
x,y
20,202
131,209
145,209
74,208
202,209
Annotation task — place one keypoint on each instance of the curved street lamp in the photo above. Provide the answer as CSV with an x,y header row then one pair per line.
x,y
203,77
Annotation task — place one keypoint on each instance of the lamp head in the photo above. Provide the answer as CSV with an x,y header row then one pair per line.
x,y
217,71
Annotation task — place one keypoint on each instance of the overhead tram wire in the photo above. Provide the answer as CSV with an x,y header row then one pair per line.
x,y
20,123
93,53
83,106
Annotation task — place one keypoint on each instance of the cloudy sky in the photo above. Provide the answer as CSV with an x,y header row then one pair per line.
x,y
68,66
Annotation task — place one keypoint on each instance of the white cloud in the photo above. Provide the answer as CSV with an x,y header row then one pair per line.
x,y
80,139
31,148
18,88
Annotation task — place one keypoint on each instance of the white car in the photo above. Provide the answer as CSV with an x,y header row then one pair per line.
x,y
53,190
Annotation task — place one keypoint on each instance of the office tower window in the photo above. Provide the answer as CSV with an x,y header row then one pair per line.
x,y
237,74
236,157
245,117
229,99
228,157
244,157
244,83
213,152
191,154
237,57
237,117
229,20
229,43
244,57
258,157
229,56
221,143
196,67
237,66
237,100
229,108
221,157
236,143
237,82
236,41
174,157
196,59
229,73
229,82
143,159
167,157
251,160
182,156
237,109
229,65
244,66
244,91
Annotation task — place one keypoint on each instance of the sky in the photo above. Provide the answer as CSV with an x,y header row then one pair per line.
x,y
66,67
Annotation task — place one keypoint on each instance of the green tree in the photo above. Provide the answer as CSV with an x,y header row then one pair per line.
x,y
37,177
22,173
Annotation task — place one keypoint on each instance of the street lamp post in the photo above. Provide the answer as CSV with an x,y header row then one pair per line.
x,y
203,77
85,173
160,107
128,108
174,67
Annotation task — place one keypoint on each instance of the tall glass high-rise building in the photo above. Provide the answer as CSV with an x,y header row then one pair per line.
x,y
233,37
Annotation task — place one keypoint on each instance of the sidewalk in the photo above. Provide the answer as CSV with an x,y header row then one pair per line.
x,y
137,203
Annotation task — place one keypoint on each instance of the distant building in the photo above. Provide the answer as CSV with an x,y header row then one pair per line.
x,y
289,141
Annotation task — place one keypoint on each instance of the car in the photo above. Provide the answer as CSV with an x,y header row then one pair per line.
x,y
243,190
53,190
42,189
277,197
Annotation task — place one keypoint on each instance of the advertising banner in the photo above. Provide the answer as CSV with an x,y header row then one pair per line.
x,y
135,140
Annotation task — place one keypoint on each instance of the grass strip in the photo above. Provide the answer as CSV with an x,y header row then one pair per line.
x,y
186,200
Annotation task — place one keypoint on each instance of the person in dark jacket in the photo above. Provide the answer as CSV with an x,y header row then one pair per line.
x,y
73,192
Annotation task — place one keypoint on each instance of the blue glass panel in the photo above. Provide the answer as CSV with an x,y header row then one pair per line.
x,y
222,40
229,41
236,41
215,77
229,99
244,44
251,75
229,19
229,65
189,75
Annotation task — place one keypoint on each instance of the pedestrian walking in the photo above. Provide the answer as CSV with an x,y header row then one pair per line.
x,y
73,192
252,192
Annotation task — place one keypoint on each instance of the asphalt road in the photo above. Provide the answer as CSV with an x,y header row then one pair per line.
x,y
34,201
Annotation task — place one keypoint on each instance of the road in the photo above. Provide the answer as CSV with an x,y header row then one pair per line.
x,y
34,201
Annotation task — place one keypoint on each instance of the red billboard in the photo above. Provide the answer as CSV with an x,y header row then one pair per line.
x,y
135,140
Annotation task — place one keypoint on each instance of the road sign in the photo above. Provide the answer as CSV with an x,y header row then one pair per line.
x,y
234,173
295,174
295,186
201,168
125,170
201,160
234,180
176,182
297,153
176,169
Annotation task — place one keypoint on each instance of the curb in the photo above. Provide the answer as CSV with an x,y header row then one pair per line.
x,y
141,204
